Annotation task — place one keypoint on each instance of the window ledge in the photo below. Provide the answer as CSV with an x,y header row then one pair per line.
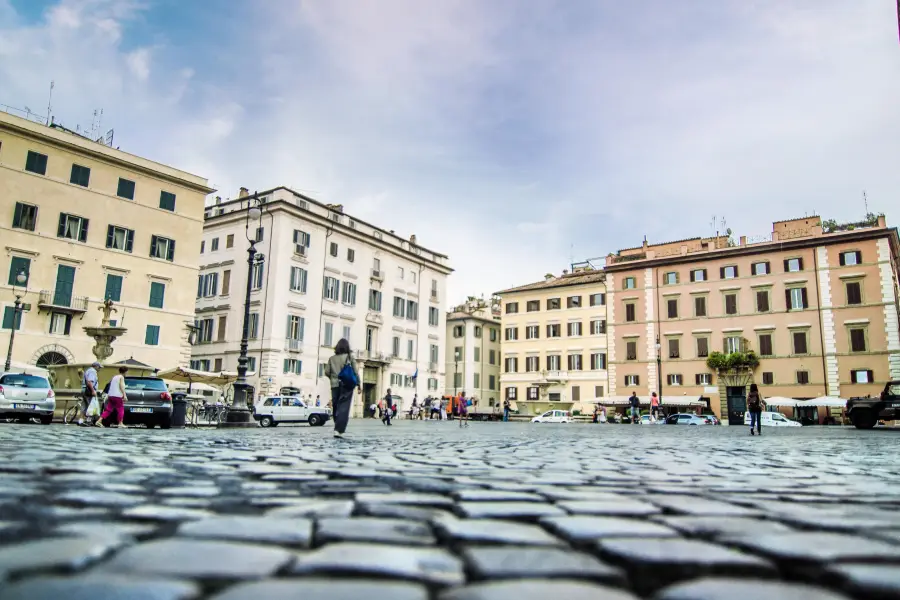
x,y
703,291
762,284
795,281
852,276
730,288
764,328
856,322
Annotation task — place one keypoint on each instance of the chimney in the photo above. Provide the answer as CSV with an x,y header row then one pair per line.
x,y
243,192
218,199
412,239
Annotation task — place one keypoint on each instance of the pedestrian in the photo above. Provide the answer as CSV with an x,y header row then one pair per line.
x,y
755,404
602,414
318,400
90,384
635,408
463,409
388,410
114,413
596,413
343,378
506,410
443,409
654,406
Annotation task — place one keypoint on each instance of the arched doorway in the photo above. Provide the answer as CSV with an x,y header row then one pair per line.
x,y
51,358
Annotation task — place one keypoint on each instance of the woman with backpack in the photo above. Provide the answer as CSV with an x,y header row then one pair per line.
x,y
755,406
343,377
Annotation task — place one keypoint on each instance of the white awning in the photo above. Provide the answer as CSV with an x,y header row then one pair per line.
x,y
828,401
645,400
779,401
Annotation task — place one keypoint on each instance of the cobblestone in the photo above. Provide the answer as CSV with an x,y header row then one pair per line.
x,y
427,511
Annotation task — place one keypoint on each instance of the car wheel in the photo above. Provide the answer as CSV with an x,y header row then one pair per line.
x,y
314,420
863,418
151,425
47,420
165,425
267,422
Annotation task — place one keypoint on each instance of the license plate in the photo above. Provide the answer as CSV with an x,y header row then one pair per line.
x,y
25,406
141,410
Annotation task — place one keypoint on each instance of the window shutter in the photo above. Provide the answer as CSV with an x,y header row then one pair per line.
x,y
17,215
214,284
68,326
287,365
768,267
786,266
82,235
637,380
721,272
736,273
129,240
692,276
200,286
705,276
302,326
697,379
288,332
61,230
109,235
858,257
805,298
870,375
170,255
841,260
800,260
787,299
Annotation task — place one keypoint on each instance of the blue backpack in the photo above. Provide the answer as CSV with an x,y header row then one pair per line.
x,y
347,376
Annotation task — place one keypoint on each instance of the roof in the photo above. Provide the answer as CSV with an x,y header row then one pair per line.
x,y
459,315
566,280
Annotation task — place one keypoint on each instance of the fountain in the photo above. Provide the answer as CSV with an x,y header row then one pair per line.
x,y
105,334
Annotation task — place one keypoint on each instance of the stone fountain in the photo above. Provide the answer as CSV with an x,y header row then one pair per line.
x,y
105,334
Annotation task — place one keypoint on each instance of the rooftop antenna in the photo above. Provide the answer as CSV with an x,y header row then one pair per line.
x,y
49,100
865,198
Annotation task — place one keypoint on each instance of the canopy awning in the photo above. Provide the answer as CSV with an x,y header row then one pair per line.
x,y
780,401
645,400
191,376
827,401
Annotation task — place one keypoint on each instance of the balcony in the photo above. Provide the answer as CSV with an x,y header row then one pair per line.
x,y
48,300
434,296
373,356
377,275
432,367
293,345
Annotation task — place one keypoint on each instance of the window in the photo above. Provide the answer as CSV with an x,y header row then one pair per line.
x,y
434,316
433,354
731,304
598,327
119,238
576,393
533,305
553,362
214,245
573,302
554,330
574,362
598,391
512,308
412,310
202,246
151,337
674,348
492,382
796,298
395,347
698,275
256,282
629,312
293,366
17,264
597,299
72,227
226,282
400,272
573,328
532,393
532,332
207,285
412,275
253,326
729,272
348,293
458,353
765,344
60,323
802,377
113,288
80,175
670,278
36,163
167,201
493,334
761,268
630,350
702,347
295,327
768,378
375,300
25,216
862,376
703,378
332,289
510,393
161,247
799,338
598,361
222,329
125,189
512,365
399,307
630,283
733,343
218,365
301,238
9,312
492,357
793,265
858,339
229,240
251,364
699,306
477,380
532,364
458,331
512,334
351,255
672,308
204,331
632,380
410,351
674,379
762,301
854,292
853,257
554,304
328,334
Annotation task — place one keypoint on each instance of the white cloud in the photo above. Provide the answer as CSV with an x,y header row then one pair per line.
x,y
139,63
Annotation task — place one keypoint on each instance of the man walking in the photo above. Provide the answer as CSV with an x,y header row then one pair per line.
x,y
506,410
89,386
635,408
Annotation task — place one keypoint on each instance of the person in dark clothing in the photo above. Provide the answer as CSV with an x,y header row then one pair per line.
x,y
388,409
341,391
635,408
506,410
755,406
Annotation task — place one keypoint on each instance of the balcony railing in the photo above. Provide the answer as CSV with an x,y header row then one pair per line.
x,y
293,345
52,300
434,295
373,355
377,275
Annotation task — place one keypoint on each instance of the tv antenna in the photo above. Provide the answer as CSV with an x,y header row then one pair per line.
x,y
865,198
49,101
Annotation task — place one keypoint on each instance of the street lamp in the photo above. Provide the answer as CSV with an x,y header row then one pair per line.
x,y
238,414
659,369
20,280
455,371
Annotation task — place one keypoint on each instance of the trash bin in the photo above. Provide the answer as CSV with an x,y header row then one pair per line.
x,y
179,409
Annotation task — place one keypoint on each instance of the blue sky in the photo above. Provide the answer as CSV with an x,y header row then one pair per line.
x,y
511,136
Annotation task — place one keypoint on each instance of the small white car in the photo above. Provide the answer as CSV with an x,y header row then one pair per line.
x,y
553,416
772,419
687,419
25,397
288,409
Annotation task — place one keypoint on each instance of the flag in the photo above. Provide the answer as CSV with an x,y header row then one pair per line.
x,y
416,374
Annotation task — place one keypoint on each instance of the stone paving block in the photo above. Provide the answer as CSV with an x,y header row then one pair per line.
x,y
494,531
624,507
98,587
199,559
869,581
695,505
714,588
324,589
507,562
121,529
427,565
161,512
589,528
262,529
536,589
508,510
101,498
413,498
59,553
402,511
497,496
370,529
818,547
718,527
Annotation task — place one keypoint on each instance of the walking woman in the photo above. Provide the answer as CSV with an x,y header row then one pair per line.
x,y
114,412
343,377
388,409
755,406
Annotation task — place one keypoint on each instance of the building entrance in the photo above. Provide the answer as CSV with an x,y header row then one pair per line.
x,y
737,404
370,389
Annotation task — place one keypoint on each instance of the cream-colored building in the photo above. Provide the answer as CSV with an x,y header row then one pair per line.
x,y
553,340
473,353
87,222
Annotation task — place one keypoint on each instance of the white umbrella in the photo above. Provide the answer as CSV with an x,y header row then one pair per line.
x,y
779,401
829,401
191,376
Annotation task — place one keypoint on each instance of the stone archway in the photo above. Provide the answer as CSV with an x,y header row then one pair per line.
x,y
52,354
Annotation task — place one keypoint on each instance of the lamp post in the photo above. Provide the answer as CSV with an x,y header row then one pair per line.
x,y
20,280
455,371
238,414
659,370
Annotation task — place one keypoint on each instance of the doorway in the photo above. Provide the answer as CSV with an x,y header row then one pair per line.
x,y
370,394
737,404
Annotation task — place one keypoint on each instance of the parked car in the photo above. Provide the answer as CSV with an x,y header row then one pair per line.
x,y
865,413
687,419
553,416
715,420
148,402
647,420
772,419
289,409
25,397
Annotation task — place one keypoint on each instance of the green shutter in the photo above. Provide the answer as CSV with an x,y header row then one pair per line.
x,y
8,312
65,281
157,294
15,266
113,288
151,338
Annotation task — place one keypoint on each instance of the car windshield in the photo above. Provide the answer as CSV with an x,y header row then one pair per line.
x,y
25,381
145,383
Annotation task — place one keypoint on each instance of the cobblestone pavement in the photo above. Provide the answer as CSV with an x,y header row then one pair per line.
x,y
428,510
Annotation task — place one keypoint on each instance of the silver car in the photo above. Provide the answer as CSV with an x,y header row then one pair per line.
x,y
26,397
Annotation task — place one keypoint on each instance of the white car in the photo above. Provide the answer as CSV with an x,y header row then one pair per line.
x,y
553,416
687,419
25,397
288,409
772,419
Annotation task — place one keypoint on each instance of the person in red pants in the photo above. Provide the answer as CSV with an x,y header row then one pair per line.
x,y
114,413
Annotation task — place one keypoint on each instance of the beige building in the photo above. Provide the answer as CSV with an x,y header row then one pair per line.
x,y
473,353
554,342
87,222
816,302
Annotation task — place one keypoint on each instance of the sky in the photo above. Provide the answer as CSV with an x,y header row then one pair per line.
x,y
515,137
